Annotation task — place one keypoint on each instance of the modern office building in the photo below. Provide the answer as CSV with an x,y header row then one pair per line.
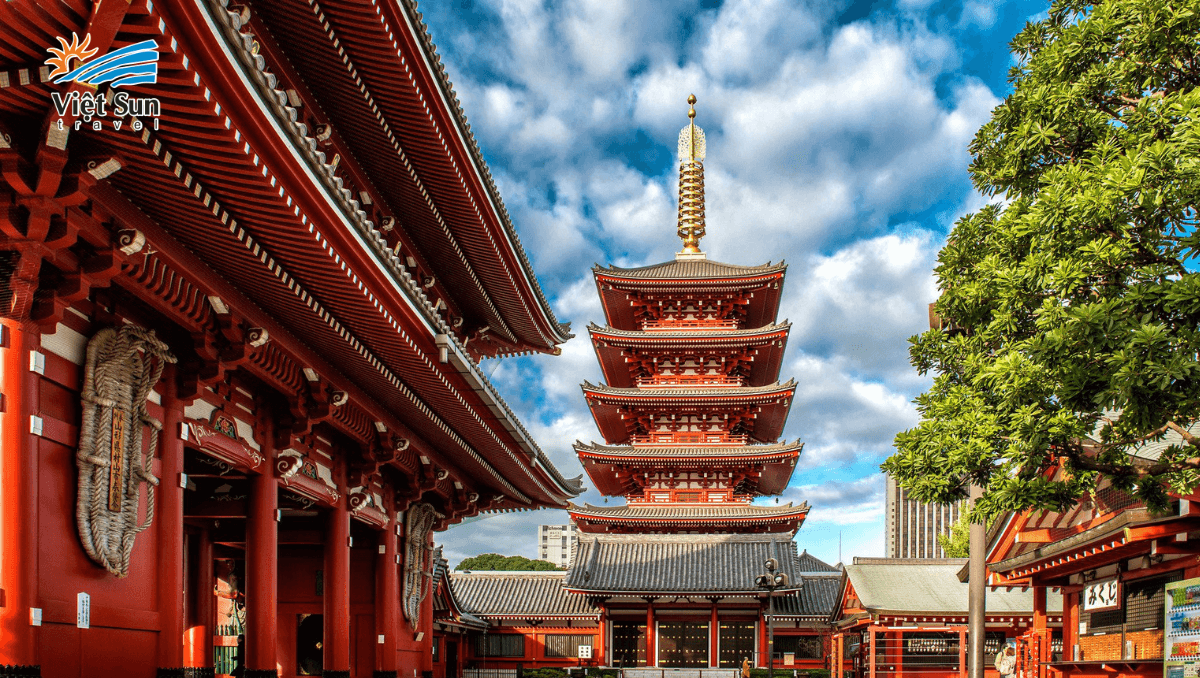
x,y
913,527
555,543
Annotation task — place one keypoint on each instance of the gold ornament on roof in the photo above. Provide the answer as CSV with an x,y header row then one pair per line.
x,y
691,184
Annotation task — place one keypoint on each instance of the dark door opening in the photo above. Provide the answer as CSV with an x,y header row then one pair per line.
x,y
310,634
451,659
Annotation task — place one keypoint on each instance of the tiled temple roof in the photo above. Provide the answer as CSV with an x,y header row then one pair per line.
x,y
518,595
817,598
690,269
931,585
678,564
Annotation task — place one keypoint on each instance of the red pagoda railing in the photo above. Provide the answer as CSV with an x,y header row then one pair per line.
x,y
668,325
668,380
690,438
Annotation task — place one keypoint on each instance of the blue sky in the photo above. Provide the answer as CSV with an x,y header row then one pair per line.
x,y
837,140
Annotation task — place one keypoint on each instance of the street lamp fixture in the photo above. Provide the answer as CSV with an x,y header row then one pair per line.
x,y
769,581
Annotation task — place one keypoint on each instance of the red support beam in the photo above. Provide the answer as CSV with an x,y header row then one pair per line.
x,y
337,589
18,494
262,566
171,588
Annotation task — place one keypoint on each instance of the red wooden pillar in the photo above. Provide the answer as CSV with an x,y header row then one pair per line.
x,y
337,590
1041,631
962,652
262,566
18,494
651,635
601,637
873,635
171,589
713,635
200,636
387,600
762,638
1070,624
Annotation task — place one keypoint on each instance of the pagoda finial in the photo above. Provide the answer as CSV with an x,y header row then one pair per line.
x,y
691,186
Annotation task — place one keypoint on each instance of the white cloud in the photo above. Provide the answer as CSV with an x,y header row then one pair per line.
x,y
842,149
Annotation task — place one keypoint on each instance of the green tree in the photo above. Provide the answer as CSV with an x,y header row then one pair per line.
x,y
957,542
1071,303
495,561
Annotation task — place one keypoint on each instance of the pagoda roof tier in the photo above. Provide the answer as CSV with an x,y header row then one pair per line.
x,y
717,517
684,564
622,413
761,285
615,469
618,349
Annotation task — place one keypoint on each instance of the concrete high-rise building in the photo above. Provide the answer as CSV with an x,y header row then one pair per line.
x,y
555,543
913,527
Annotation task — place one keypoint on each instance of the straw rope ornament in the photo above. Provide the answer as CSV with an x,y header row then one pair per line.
x,y
122,367
421,518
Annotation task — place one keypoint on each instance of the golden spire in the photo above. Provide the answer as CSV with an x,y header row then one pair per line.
x,y
691,185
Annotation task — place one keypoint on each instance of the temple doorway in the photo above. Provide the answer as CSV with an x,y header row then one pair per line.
x,y
683,644
735,643
629,644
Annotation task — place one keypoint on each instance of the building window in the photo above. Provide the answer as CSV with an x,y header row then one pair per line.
x,y
801,647
500,645
567,645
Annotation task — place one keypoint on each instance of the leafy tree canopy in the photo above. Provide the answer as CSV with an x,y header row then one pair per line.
x,y
495,561
1071,305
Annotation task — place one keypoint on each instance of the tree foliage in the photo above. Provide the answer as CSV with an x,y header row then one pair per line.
x,y
495,561
1071,303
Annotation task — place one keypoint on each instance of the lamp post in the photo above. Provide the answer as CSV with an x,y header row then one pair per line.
x,y
770,581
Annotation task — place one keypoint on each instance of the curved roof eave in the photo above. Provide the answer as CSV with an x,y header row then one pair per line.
x,y
560,332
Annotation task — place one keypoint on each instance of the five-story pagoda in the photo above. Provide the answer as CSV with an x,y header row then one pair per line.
x,y
690,416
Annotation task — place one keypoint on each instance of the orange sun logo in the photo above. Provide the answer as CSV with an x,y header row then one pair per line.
x,y
61,61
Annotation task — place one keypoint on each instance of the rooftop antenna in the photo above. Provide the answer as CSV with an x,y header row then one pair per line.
x,y
691,186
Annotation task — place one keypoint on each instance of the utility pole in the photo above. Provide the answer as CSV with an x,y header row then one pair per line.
x,y
977,604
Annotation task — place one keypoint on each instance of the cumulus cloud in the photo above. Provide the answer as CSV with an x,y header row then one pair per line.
x,y
840,147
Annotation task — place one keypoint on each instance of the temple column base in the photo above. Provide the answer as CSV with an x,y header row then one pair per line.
x,y
385,674
260,673
330,673
7,671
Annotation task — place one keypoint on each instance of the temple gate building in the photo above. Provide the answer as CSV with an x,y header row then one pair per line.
x,y
250,258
